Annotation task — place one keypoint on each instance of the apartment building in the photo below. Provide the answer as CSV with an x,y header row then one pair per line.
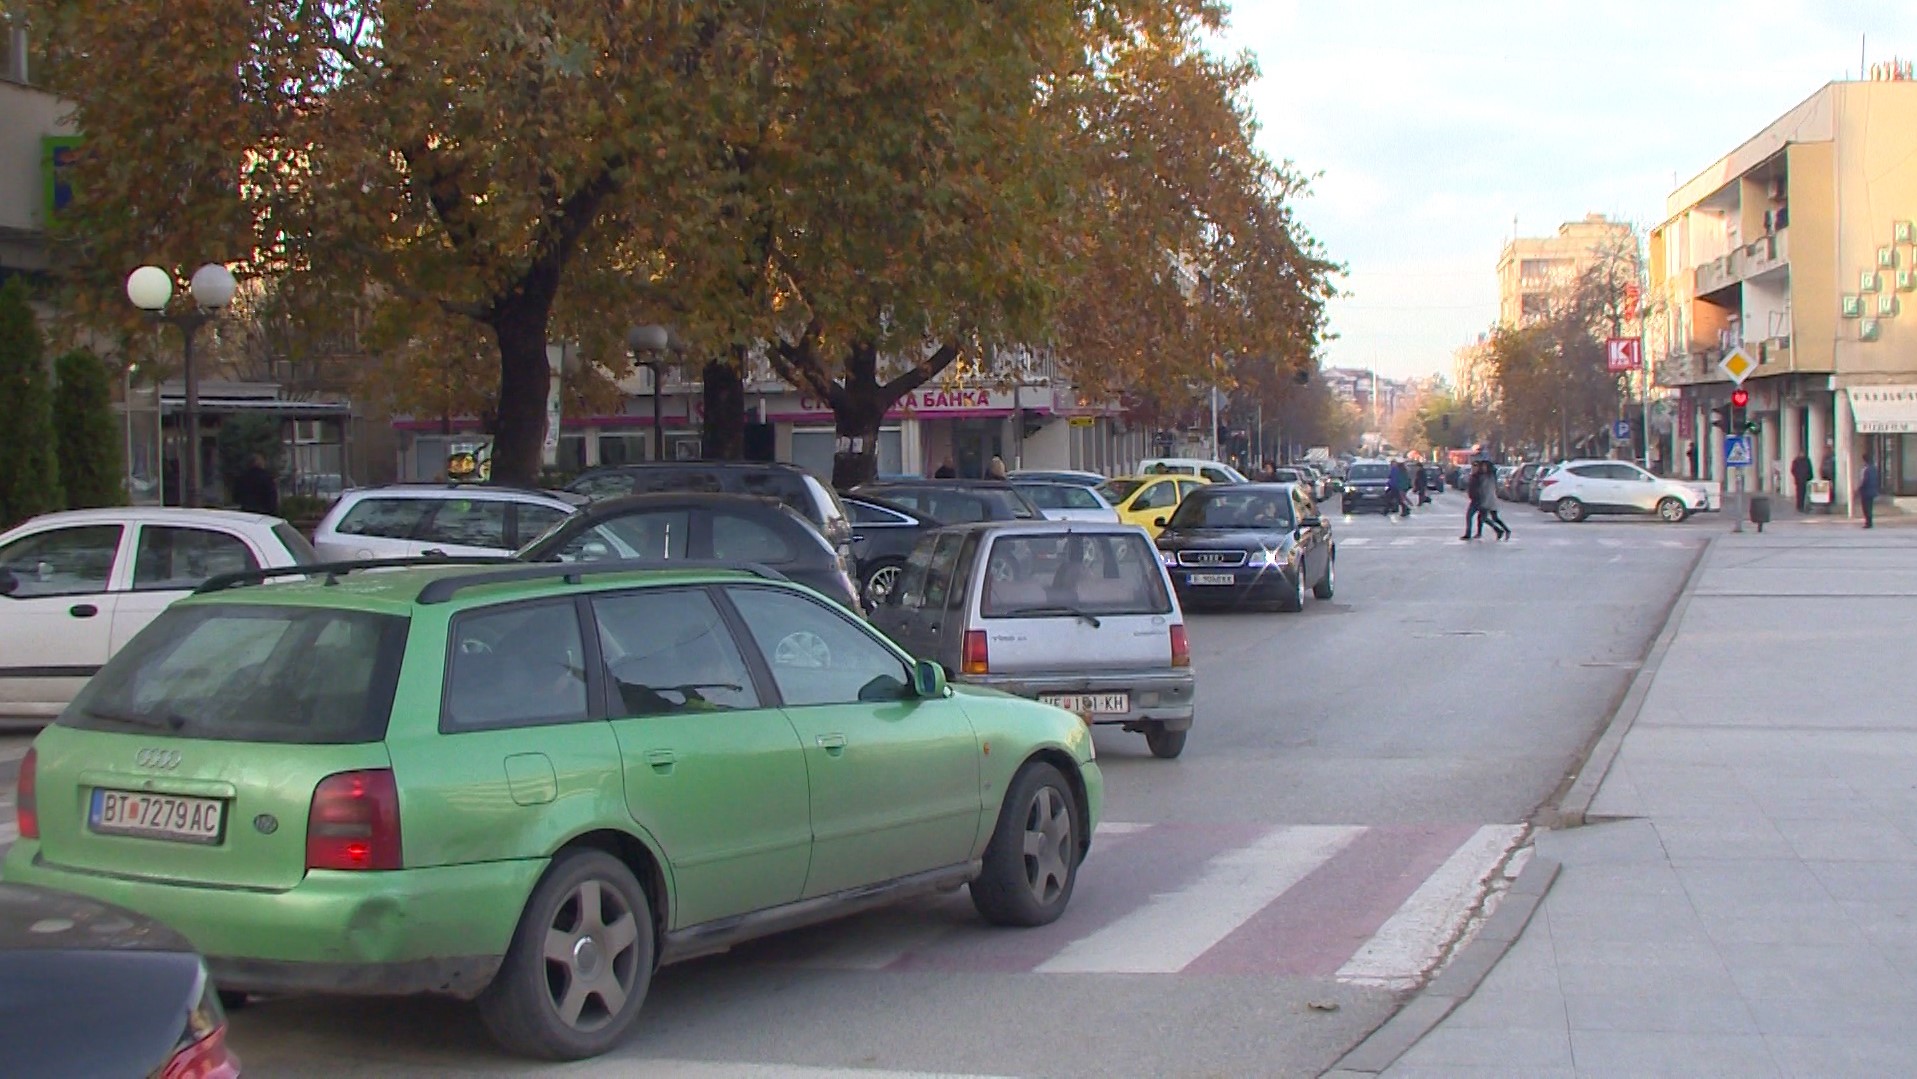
x,y
33,135
1798,247
1532,268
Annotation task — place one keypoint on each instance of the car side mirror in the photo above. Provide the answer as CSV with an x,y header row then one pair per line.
x,y
8,582
928,680
1161,521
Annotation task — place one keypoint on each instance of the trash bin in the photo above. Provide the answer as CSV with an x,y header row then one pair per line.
x,y
1760,511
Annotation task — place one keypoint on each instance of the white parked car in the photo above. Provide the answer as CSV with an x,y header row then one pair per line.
x,y
74,586
1214,471
1060,501
1575,490
408,520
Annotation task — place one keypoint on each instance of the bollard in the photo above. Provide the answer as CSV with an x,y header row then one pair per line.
x,y
1760,511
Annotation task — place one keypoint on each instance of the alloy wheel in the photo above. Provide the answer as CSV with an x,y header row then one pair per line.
x,y
1048,838
592,956
880,584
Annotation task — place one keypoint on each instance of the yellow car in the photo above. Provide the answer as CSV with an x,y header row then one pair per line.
x,y
1144,500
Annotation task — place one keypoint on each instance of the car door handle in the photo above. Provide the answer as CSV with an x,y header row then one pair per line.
x,y
858,537
83,610
661,760
833,744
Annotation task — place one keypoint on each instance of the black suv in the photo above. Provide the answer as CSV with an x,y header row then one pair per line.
x,y
1367,487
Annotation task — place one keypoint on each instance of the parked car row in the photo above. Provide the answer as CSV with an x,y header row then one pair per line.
x,y
273,764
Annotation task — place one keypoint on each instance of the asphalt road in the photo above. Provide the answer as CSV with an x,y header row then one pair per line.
x,y
1357,774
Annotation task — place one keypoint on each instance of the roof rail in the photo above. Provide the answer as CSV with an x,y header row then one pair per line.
x,y
445,588
220,582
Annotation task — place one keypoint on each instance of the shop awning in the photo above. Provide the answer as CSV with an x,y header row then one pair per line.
x,y
1885,410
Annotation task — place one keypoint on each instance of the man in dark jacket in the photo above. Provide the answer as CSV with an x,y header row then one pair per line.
x,y
1800,478
1867,491
255,490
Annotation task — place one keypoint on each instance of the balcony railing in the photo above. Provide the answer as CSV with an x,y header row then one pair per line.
x,y
1760,256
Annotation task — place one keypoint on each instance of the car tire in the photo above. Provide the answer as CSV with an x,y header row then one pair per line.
x,y
1344,508
887,573
1017,888
1569,510
1295,600
1323,589
525,1006
1671,510
1165,745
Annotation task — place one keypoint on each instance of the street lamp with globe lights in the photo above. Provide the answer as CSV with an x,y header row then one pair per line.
x,y
151,289
652,341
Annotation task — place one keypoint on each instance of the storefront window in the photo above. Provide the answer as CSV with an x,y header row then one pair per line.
x,y
625,449
812,450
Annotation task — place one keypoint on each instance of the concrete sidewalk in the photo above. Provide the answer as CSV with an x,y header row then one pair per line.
x,y
1742,899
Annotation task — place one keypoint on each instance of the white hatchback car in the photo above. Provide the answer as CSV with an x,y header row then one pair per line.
x,y
1215,471
406,520
1060,501
74,586
1575,490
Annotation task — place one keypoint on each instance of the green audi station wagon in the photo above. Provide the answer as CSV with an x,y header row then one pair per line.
x,y
533,785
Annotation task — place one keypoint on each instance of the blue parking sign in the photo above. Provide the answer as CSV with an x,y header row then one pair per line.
x,y
1621,429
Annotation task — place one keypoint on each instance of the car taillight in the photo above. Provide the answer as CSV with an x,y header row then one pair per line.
x,y
26,809
975,659
1181,648
202,1052
354,822
1546,482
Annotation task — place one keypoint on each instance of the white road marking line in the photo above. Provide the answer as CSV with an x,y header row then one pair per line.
x,y
13,753
1175,928
1116,827
704,1069
1408,943
1355,541
9,831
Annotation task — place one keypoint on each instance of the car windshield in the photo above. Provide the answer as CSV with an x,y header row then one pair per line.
x,y
248,672
1060,496
1073,575
1234,509
1116,491
1372,471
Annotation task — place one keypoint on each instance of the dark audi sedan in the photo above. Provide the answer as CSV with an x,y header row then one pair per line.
x,y
1252,543
726,528
87,988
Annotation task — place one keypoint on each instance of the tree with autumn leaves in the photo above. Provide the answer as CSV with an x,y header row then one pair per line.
x,y
863,192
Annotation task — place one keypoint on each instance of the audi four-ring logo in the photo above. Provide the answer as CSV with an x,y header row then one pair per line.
x,y
162,759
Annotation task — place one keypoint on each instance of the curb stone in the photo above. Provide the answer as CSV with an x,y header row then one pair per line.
x,y
1572,808
1459,979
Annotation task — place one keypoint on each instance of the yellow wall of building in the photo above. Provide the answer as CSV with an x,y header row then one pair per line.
x,y
1876,168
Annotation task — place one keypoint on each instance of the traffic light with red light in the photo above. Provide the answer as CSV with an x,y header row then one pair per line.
x,y
1740,397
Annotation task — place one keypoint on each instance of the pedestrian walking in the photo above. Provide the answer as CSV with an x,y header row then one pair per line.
x,y
1418,482
255,490
946,470
1800,478
1488,506
1867,491
1474,484
1397,481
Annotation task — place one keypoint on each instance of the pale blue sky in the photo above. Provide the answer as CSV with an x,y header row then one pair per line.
x,y
1431,125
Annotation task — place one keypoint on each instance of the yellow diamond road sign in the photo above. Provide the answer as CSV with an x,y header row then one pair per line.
x,y
1738,365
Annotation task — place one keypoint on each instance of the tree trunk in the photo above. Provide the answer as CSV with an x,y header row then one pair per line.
x,y
857,414
722,433
520,328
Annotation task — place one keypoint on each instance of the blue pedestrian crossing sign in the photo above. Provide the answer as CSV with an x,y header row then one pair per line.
x,y
1621,429
1737,451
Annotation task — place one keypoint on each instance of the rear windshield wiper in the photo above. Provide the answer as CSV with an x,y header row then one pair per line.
x,y
155,720
1056,608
